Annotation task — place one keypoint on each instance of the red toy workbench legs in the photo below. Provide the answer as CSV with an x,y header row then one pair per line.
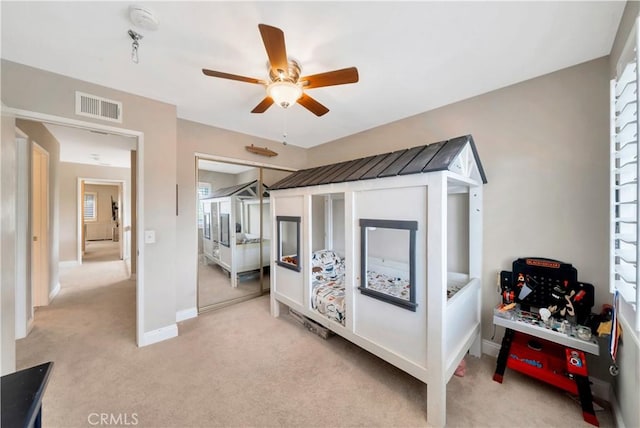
x,y
550,362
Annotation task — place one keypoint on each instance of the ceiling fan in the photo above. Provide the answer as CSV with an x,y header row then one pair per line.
x,y
285,87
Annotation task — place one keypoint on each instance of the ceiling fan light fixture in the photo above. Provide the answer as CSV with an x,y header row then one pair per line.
x,y
284,94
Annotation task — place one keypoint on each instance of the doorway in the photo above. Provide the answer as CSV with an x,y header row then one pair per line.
x,y
102,212
234,231
137,220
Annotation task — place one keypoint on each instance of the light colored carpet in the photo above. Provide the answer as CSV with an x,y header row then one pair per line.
x,y
101,251
240,367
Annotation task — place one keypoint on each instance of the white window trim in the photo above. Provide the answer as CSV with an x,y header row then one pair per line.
x,y
93,218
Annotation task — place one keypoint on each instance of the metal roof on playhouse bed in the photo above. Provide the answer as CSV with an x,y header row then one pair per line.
x,y
428,158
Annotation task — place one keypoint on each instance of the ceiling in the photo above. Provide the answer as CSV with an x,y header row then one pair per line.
x,y
92,147
224,167
411,56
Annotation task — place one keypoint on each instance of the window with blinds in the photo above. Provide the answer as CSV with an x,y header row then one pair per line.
x,y
625,193
90,206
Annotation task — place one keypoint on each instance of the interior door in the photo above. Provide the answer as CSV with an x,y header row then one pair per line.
x,y
39,226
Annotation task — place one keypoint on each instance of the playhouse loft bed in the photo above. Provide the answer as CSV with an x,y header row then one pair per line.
x,y
386,251
231,229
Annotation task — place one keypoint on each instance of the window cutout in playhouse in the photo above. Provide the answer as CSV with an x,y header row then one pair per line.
x,y
387,261
224,229
288,242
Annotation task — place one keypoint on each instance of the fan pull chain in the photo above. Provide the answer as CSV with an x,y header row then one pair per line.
x,y
284,126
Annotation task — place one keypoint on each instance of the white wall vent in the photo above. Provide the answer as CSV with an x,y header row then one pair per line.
x,y
98,107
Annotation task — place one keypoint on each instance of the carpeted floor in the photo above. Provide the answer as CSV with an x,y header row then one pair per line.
x,y
240,367
101,251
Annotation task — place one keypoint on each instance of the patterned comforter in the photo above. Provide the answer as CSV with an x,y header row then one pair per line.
x,y
327,295
391,286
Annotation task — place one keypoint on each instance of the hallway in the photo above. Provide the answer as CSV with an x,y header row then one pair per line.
x,y
97,297
101,251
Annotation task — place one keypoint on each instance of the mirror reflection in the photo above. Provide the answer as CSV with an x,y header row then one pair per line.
x,y
234,232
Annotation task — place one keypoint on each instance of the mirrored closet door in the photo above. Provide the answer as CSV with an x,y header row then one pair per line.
x,y
234,232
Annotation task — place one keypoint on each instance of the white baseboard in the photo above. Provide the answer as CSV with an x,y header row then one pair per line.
x,y
155,336
54,292
490,348
618,420
186,314
68,264
599,388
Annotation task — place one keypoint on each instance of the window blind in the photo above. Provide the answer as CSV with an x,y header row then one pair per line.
x,y
624,168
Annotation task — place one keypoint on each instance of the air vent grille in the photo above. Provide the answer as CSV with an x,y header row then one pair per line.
x,y
98,107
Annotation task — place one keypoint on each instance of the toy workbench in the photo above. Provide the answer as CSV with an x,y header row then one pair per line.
x,y
541,312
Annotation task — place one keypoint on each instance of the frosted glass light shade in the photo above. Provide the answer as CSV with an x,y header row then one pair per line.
x,y
284,94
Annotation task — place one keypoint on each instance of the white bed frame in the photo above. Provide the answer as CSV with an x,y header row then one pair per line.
x,y
237,258
430,354
245,256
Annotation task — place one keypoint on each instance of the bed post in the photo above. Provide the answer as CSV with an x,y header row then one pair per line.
x,y
475,256
352,276
233,273
436,299
274,304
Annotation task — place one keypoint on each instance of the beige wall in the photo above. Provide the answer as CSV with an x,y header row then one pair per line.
x,y
30,89
196,138
8,166
69,174
543,146
248,176
218,180
625,386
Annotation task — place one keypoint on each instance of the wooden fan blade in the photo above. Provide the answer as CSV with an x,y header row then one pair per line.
x,y
273,39
312,105
263,106
330,78
222,75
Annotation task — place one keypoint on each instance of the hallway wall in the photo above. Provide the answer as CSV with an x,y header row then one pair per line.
x,y
8,188
38,133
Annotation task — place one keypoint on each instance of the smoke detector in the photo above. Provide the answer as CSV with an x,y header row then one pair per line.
x,y
143,18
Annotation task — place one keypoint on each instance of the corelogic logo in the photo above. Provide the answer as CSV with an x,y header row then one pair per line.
x,y
112,419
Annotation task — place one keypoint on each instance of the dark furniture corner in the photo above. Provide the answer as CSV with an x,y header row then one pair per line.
x,y
22,391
